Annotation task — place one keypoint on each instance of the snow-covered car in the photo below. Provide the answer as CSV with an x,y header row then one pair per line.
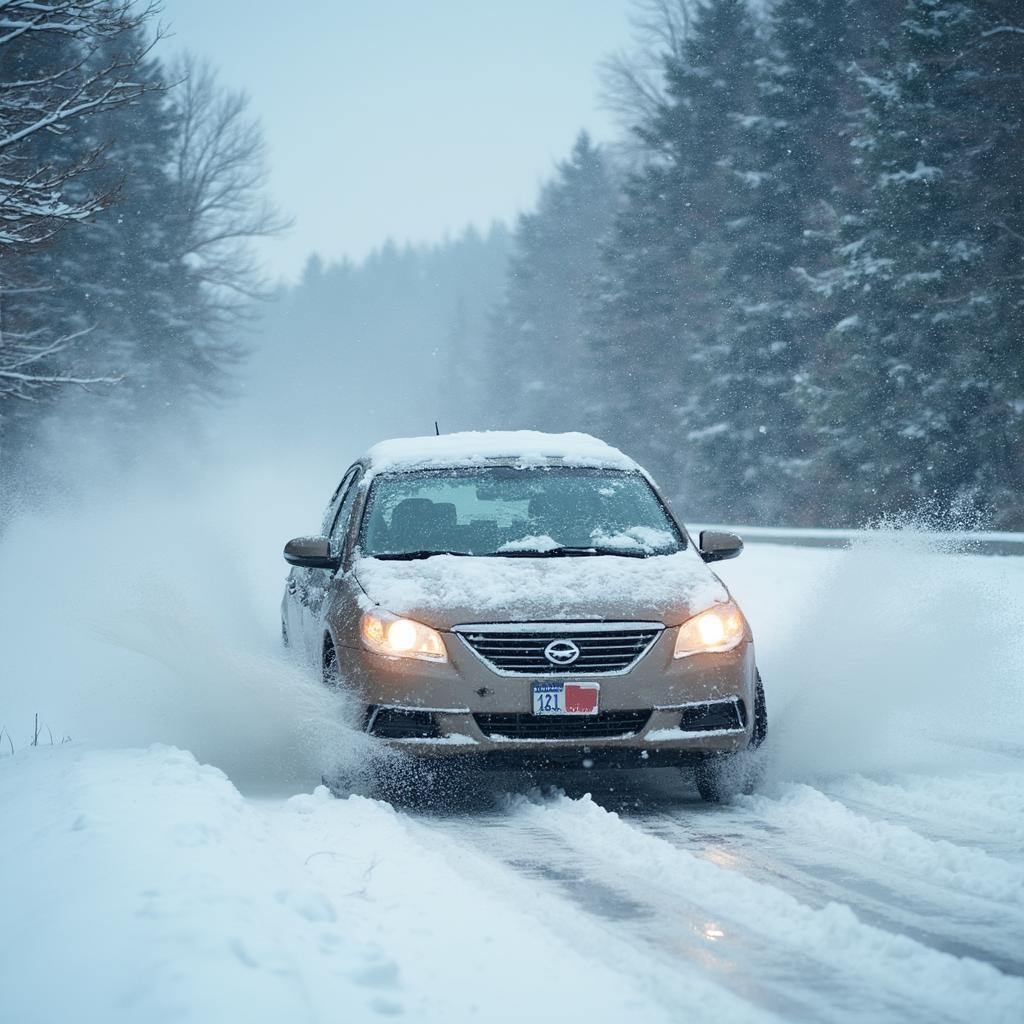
x,y
525,599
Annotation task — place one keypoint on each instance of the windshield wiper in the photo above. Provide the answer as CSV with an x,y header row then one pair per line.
x,y
627,552
566,551
562,551
410,556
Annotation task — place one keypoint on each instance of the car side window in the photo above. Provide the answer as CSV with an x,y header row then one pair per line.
x,y
332,506
339,527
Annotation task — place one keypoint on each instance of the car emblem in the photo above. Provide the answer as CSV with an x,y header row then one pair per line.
x,y
561,652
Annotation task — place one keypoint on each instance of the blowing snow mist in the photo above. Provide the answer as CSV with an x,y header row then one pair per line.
x,y
897,654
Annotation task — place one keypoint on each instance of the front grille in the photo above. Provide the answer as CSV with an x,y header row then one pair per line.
x,y
402,724
604,648
606,725
716,714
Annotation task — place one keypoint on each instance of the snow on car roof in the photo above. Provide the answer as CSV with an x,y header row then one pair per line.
x,y
523,447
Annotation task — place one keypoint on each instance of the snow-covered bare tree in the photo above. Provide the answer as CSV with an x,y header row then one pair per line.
x,y
192,257
63,61
150,285
634,78
219,175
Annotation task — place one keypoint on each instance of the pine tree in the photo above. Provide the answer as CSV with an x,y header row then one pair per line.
x,y
792,157
923,405
659,327
539,327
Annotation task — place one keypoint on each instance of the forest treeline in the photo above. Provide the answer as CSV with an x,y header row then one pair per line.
x,y
796,291
805,301
354,351
794,288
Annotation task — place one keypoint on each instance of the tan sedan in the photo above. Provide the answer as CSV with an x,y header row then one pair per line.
x,y
521,599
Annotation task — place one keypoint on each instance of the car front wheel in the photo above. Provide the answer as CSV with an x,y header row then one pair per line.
x,y
724,776
331,672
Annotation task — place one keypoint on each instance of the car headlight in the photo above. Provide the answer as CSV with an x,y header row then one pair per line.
x,y
396,637
720,628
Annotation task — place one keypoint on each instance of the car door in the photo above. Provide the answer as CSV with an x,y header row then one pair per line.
x,y
319,580
305,586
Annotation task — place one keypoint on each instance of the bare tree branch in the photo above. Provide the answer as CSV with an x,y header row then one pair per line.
x,y
69,65
632,79
220,171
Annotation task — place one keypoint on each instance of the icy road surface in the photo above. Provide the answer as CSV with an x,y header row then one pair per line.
x,y
878,877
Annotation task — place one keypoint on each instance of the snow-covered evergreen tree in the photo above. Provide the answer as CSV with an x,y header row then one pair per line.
x,y
794,159
924,400
539,327
658,330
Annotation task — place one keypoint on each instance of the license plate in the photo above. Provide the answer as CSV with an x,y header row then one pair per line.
x,y
565,698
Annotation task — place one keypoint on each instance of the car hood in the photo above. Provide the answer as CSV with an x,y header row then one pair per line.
x,y
449,590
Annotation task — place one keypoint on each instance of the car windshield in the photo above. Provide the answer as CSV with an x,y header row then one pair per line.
x,y
505,511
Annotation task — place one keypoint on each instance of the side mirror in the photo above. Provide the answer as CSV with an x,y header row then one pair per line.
x,y
310,553
717,547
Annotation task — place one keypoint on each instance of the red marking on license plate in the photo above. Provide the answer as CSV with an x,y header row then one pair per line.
x,y
581,698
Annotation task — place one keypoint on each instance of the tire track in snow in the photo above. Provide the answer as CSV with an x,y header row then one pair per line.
x,y
442,896
822,958
956,899
557,882
817,819
980,810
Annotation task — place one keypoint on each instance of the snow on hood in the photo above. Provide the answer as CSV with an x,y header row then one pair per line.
x,y
447,590
524,447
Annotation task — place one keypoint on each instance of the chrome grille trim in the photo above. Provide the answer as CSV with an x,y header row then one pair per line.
x,y
517,648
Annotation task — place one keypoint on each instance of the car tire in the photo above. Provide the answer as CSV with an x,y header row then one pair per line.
x,y
760,715
411,783
724,776
331,671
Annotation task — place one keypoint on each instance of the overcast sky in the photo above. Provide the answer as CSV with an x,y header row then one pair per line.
x,y
406,118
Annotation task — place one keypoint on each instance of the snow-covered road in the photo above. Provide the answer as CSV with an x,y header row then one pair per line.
x,y
878,876
163,894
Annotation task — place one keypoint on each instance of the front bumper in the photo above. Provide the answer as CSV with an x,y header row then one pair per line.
x,y
450,696
661,742
571,758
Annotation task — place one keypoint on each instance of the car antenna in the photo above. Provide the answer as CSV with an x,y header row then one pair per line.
x,y
437,432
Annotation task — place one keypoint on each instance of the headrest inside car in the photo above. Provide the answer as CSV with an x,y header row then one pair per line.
x,y
411,512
